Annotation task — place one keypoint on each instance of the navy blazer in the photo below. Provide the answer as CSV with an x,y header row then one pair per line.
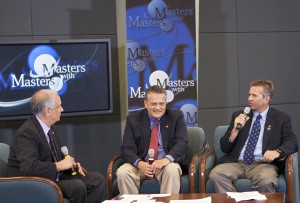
x,y
137,135
278,134
30,153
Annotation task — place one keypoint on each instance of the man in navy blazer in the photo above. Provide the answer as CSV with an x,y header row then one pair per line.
x,y
276,140
31,154
172,145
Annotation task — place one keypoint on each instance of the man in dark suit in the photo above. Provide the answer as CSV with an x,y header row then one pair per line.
x,y
35,152
257,151
172,145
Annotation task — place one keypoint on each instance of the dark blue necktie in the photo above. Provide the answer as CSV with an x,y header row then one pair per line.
x,y
52,145
251,144
54,152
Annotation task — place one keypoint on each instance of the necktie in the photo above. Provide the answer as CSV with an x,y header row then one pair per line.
x,y
154,138
52,145
251,144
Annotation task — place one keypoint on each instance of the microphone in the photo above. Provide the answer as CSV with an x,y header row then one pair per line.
x,y
64,150
151,159
151,156
246,112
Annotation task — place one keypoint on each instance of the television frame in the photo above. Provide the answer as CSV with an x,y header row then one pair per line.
x,y
74,113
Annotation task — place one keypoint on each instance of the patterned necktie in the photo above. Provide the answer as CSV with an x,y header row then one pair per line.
x,y
154,139
251,144
52,145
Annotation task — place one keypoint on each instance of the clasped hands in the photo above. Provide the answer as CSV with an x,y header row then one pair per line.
x,y
154,168
69,163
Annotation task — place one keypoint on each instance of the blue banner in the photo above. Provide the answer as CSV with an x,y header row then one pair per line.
x,y
161,50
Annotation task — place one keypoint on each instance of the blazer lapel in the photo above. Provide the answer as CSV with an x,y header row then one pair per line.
x,y
41,132
245,131
56,142
146,131
267,129
164,130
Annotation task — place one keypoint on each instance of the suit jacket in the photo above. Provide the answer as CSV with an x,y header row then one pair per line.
x,y
30,153
137,135
278,134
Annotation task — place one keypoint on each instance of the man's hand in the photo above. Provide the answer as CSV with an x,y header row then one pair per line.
x,y
154,168
146,168
80,169
270,155
242,119
159,164
65,164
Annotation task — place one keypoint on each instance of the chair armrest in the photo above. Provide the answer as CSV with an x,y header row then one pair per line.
x,y
207,164
114,164
29,189
194,166
292,177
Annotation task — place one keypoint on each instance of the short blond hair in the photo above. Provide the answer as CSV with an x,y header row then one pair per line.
x,y
156,89
267,86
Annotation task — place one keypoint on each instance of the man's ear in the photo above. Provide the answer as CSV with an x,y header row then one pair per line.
x,y
47,111
268,98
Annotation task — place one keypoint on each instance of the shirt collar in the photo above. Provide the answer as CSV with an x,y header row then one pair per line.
x,y
263,114
44,126
153,119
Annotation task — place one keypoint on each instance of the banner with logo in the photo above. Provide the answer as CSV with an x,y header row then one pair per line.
x,y
161,50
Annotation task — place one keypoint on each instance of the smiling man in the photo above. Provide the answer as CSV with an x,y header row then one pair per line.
x,y
257,151
164,132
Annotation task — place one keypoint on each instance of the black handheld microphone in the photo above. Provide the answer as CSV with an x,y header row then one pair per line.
x,y
64,150
151,159
246,112
151,156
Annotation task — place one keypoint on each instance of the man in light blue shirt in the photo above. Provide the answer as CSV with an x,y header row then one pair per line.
x,y
256,151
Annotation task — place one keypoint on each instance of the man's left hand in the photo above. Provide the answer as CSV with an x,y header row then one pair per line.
x,y
159,164
80,169
270,155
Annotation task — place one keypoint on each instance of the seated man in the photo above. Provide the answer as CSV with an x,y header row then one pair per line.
x,y
258,149
161,130
35,151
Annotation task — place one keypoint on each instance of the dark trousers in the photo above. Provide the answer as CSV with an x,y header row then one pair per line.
x,y
87,189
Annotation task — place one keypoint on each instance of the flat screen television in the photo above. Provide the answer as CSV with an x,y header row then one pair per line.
x,y
79,70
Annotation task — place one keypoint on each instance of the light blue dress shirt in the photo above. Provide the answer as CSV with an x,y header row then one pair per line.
x,y
258,148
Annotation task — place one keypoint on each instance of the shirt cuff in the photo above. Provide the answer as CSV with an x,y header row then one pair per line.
x,y
170,158
136,162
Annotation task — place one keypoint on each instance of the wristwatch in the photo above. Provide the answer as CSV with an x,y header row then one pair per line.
x,y
279,151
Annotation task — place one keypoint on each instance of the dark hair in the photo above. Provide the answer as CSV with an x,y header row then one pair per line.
x,y
156,89
267,86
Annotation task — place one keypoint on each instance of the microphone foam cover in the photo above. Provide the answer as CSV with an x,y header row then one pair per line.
x,y
247,110
64,150
151,153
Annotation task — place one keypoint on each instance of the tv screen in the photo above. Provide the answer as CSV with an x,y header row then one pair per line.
x,y
79,70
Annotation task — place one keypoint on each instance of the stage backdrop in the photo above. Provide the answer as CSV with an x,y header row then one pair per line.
x,y
161,50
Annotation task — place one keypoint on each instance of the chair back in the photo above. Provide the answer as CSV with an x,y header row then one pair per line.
x,y
4,152
218,134
196,138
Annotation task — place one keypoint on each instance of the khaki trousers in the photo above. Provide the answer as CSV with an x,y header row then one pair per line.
x,y
264,176
129,178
